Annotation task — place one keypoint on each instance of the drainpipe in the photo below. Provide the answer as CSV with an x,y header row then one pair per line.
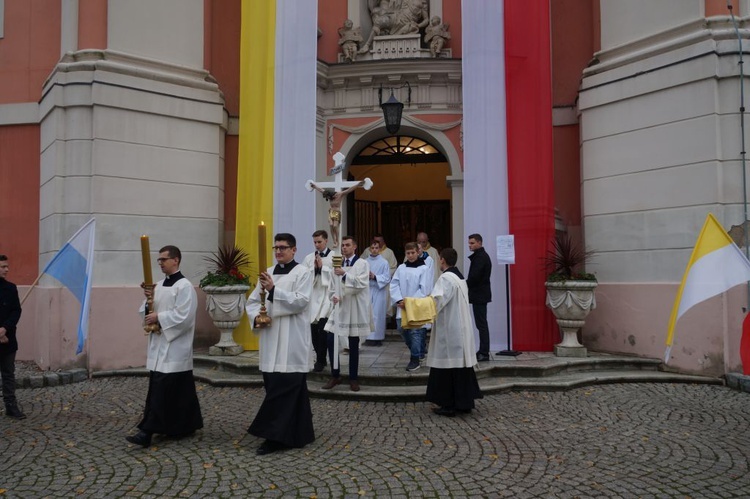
x,y
742,140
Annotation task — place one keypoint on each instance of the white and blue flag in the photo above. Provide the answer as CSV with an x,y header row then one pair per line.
x,y
73,266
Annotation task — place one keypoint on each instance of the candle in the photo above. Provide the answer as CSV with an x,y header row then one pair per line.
x,y
146,254
262,248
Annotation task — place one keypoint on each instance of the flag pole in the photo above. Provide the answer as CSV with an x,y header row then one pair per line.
x,y
33,285
743,153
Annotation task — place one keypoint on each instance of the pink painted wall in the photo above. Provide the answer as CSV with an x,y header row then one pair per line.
x,y
633,318
719,8
19,200
92,24
30,48
331,16
48,330
340,136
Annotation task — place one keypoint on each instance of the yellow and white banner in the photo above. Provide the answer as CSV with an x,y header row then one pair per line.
x,y
278,66
715,266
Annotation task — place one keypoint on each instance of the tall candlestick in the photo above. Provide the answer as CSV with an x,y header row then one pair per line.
x,y
262,248
148,278
262,320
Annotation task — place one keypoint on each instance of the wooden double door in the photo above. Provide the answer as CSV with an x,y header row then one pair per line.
x,y
400,222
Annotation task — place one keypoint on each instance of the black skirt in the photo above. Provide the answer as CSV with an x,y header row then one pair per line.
x,y
285,415
172,406
455,388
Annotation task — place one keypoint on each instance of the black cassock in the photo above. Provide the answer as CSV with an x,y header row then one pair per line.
x,y
172,406
285,415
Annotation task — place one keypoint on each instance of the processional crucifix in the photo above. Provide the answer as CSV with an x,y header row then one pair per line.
x,y
333,193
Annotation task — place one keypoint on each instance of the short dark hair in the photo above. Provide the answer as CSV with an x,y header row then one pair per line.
x,y
174,252
450,256
287,238
410,246
3,258
351,238
321,233
476,237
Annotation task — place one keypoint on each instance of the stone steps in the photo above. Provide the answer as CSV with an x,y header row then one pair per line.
x,y
393,383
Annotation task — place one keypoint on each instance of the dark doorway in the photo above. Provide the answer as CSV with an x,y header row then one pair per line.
x,y
402,220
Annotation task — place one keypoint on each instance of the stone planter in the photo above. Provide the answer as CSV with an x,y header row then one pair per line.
x,y
571,302
225,305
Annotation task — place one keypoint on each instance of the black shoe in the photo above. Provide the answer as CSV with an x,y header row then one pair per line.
x,y
483,357
141,438
318,367
413,365
268,447
444,411
373,343
12,411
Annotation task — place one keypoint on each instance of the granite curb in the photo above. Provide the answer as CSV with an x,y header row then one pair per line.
x,y
51,378
738,381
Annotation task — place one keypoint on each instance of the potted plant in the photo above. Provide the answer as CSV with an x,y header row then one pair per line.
x,y
570,292
226,287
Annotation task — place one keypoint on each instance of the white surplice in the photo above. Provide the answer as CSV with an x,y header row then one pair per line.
x,y
320,303
171,351
379,294
452,339
352,316
285,345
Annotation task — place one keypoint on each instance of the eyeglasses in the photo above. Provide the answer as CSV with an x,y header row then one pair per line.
x,y
162,260
280,248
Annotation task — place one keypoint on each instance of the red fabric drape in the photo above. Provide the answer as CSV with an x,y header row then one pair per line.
x,y
530,176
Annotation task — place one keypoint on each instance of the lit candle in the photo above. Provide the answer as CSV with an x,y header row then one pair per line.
x,y
146,254
262,248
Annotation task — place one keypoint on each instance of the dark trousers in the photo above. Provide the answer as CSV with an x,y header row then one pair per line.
x,y
353,357
8,373
480,319
319,340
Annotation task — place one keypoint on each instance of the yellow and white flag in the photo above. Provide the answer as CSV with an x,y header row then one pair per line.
x,y
276,151
715,266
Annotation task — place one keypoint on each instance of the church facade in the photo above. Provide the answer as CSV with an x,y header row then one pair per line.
x,y
619,126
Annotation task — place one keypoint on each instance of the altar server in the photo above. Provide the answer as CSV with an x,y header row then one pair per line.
x,y
285,417
380,277
351,318
172,406
452,383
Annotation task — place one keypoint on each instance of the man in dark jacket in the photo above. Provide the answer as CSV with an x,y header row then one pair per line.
x,y
480,292
10,312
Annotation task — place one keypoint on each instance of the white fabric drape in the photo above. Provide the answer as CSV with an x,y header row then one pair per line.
x,y
485,144
294,122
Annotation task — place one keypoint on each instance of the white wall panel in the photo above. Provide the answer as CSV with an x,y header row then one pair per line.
x,y
625,21
167,30
668,145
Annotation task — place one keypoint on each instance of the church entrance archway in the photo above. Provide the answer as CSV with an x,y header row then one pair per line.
x,y
410,193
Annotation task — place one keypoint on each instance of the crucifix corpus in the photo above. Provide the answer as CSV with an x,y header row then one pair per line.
x,y
335,192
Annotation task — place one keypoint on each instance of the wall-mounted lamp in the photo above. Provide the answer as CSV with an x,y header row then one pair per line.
x,y
392,108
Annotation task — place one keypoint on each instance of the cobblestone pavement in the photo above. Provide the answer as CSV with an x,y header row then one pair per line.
x,y
629,440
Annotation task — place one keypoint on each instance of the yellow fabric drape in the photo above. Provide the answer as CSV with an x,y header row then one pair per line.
x,y
255,155
417,312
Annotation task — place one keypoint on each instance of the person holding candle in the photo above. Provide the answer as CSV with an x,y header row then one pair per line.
x,y
284,419
172,406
